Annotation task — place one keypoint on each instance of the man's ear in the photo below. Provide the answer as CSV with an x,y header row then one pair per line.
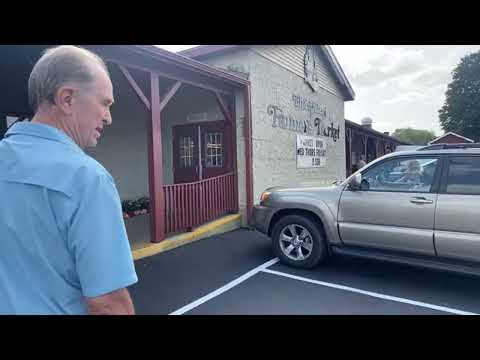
x,y
64,99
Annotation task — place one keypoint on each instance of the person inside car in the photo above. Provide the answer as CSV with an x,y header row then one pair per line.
x,y
414,173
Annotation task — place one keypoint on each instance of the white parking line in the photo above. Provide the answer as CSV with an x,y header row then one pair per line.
x,y
370,293
227,287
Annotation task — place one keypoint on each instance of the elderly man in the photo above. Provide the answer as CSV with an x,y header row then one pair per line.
x,y
63,244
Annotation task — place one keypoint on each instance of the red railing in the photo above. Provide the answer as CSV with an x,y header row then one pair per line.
x,y
191,204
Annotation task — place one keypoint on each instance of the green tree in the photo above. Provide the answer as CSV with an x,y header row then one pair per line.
x,y
414,136
461,111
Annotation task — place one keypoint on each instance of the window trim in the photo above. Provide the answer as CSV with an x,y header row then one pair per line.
x,y
436,176
446,168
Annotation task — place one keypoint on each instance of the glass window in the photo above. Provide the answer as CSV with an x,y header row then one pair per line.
x,y
464,175
402,174
11,120
214,150
186,152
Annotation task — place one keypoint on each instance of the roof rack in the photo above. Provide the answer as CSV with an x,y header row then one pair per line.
x,y
450,146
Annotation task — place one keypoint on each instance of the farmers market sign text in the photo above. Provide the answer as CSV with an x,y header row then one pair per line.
x,y
317,123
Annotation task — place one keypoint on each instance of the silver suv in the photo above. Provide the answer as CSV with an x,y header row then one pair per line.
x,y
418,207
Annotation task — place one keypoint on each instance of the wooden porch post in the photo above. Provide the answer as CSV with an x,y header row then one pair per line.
x,y
248,151
349,155
234,153
227,106
365,143
155,165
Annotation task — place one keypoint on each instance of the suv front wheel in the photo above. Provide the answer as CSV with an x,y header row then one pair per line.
x,y
297,241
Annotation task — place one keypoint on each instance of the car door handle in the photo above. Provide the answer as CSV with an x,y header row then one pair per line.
x,y
420,200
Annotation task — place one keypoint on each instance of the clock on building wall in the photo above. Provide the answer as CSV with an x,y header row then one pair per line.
x,y
310,65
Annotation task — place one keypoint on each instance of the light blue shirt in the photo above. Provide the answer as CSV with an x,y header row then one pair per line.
x,y
62,235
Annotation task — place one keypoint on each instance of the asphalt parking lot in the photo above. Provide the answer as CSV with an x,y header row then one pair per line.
x,y
236,273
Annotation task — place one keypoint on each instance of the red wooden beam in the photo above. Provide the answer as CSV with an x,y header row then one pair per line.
x,y
134,85
223,106
169,94
234,155
155,165
165,75
248,151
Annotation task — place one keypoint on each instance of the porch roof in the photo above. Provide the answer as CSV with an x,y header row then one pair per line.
x,y
188,63
17,62
372,132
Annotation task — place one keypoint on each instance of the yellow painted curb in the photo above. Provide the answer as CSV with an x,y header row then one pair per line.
x,y
182,239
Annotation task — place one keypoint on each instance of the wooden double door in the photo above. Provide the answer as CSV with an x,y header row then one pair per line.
x,y
201,151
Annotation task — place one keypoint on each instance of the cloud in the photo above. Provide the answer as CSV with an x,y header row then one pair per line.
x,y
405,97
368,79
429,77
375,66
398,61
356,59
400,85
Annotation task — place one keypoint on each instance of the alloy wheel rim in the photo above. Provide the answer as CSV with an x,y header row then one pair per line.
x,y
296,242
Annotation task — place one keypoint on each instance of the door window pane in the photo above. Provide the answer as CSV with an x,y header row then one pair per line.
x,y
464,175
186,152
214,149
403,174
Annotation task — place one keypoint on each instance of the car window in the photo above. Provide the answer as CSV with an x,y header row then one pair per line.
x,y
463,175
402,174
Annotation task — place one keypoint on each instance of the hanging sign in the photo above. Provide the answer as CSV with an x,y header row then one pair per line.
x,y
311,152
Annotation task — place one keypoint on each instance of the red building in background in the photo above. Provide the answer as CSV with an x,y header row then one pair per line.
x,y
451,138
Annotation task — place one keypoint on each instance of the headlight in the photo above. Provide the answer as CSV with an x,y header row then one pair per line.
x,y
265,195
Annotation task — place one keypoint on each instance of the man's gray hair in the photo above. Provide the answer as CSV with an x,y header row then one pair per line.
x,y
58,66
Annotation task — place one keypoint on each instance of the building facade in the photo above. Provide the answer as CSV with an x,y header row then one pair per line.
x,y
297,100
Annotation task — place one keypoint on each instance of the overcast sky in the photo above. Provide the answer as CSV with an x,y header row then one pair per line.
x,y
396,85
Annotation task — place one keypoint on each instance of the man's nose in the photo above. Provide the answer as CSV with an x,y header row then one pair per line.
x,y
108,119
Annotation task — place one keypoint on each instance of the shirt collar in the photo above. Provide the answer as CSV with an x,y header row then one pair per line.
x,y
42,131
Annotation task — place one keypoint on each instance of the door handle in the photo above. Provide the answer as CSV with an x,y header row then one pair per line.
x,y
420,200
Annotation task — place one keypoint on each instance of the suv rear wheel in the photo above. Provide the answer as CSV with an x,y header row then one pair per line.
x,y
297,241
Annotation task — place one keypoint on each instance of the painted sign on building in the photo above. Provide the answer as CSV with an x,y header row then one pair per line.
x,y
311,152
318,126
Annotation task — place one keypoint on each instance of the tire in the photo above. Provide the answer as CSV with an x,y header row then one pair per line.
x,y
313,247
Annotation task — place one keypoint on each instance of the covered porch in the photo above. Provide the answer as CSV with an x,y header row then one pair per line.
x,y
364,141
179,140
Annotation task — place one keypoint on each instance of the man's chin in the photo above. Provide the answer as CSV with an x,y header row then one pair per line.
x,y
92,143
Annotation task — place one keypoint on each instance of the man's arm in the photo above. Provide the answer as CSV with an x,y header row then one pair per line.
x,y
117,302
98,240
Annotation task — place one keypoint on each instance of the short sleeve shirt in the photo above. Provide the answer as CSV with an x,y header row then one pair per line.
x,y
62,234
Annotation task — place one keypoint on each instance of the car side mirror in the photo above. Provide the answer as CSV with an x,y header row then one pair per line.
x,y
355,182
